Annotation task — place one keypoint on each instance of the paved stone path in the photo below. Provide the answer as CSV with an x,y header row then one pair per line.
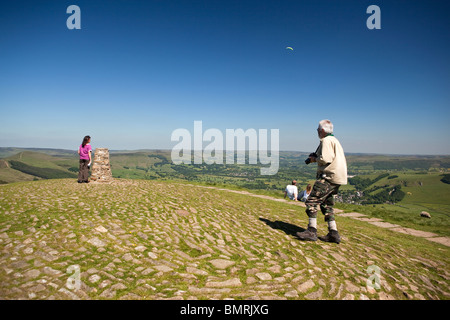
x,y
355,215
136,239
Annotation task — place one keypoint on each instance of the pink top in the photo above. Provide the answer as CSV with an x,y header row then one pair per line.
x,y
84,152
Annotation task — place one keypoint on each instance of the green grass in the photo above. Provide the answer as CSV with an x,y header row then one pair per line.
x,y
404,216
41,172
407,215
30,165
36,159
424,192
10,175
394,251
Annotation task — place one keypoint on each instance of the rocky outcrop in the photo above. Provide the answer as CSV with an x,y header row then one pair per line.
x,y
425,214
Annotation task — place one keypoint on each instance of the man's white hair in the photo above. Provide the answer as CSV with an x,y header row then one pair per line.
x,y
326,125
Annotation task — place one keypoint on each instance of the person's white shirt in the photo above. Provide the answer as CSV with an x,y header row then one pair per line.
x,y
292,191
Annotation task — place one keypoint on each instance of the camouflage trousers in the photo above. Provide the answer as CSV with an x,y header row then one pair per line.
x,y
322,196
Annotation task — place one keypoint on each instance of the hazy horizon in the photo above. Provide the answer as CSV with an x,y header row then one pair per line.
x,y
135,72
170,149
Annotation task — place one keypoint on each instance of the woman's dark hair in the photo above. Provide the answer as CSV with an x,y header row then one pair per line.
x,y
85,141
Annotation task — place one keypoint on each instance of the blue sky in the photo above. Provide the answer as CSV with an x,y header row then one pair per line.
x,y
137,70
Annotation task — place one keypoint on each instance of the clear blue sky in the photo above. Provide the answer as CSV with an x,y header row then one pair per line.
x,y
137,70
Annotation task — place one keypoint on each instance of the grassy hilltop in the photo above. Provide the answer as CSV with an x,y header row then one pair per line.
x,y
140,239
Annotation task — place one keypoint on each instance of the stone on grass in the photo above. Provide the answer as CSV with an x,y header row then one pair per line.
x,y
140,248
291,294
51,271
305,286
315,295
235,282
94,278
221,263
108,293
101,229
196,271
163,268
350,287
32,274
264,276
152,255
425,214
96,242
118,286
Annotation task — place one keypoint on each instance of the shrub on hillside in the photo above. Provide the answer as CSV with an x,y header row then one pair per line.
x,y
446,178
363,183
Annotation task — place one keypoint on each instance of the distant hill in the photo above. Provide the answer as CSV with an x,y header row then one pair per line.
x,y
396,171
10,151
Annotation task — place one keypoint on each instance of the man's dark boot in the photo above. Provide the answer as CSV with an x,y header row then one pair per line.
x,y
332,236
309,235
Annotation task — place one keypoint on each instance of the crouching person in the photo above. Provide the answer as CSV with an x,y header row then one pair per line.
x,y
331,174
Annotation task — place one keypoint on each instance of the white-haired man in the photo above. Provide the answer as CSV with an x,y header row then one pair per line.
x,y
331,174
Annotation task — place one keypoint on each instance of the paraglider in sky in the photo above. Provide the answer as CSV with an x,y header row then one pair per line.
x,y
289,48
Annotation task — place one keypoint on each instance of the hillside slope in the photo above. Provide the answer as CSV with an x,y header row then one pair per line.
x,y
30,165
136,239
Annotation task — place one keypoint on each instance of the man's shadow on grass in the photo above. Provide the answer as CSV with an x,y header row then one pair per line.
x,y
288,228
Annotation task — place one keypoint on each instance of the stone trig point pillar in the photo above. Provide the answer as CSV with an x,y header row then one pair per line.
x,y
101,168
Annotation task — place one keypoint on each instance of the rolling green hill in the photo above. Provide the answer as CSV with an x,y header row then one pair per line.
x,y
30,165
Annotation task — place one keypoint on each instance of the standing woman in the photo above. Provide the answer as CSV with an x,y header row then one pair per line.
x,y
84,151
